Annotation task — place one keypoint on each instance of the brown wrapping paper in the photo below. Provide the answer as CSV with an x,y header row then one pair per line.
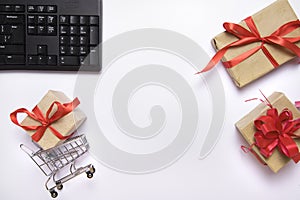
x,y
247,129
267,21
65,126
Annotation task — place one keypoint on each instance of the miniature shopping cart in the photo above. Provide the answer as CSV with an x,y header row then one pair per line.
x,y
52,160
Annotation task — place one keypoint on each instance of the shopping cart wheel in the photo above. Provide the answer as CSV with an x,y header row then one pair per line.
x,y
92,169
53,193
89,174
59,185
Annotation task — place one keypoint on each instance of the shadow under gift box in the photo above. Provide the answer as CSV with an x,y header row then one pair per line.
x,y
65,125
267,21
246,127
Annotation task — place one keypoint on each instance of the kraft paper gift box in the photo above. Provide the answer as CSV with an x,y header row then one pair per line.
x,y
65,125
246,127
267,21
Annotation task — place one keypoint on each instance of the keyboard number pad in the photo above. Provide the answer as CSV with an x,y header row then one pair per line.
x,y
78,39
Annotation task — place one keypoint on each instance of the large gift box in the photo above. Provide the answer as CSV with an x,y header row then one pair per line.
x,y
53,120
272,131
258,44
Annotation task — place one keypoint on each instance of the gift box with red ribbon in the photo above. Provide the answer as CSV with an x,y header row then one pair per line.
x,y
259,44
272,130
53,120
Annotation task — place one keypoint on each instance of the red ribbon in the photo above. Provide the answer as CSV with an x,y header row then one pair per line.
x,y
46,121
246,37
277,130
297,104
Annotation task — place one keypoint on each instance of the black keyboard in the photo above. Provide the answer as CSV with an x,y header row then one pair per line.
x,y
61,35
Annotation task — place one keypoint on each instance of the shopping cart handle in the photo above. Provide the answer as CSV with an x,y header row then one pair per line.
x,y
26,149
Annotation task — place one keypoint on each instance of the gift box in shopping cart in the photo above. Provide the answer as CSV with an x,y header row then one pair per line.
x,y
53,120
51,125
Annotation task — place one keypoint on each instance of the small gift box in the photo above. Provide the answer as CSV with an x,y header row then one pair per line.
x,y
272,131
53,120
258,44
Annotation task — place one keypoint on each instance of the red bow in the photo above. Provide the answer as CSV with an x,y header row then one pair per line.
x,y
246,37
46,121
275,130
297,104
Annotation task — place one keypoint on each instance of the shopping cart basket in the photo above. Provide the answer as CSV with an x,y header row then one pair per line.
x,y
50,161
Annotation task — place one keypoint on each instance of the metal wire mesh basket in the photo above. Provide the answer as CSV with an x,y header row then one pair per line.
x,y
50,161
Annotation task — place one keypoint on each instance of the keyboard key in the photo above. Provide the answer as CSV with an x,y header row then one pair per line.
x,y
14,19
94,56
94,20
41,9
74,20
19,8
12,49
5,39
41,30
94,35
42,50
52,60
32,60
84,40
51,30
2,60
42,60
42,19
74,40
51,20
69,60
64,20
15,60
8,8
52,9
2,8
32,30
74,51
84,60
18,34
83,50
84,20
63,50
84,30
31,8
5,29
31,19
64,40
74,30
64,30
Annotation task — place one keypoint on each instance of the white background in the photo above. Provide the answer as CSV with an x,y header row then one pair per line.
x,y
227,173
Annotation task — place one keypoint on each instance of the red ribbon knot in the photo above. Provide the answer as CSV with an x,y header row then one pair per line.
x,y
277,130
252,35
47,120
